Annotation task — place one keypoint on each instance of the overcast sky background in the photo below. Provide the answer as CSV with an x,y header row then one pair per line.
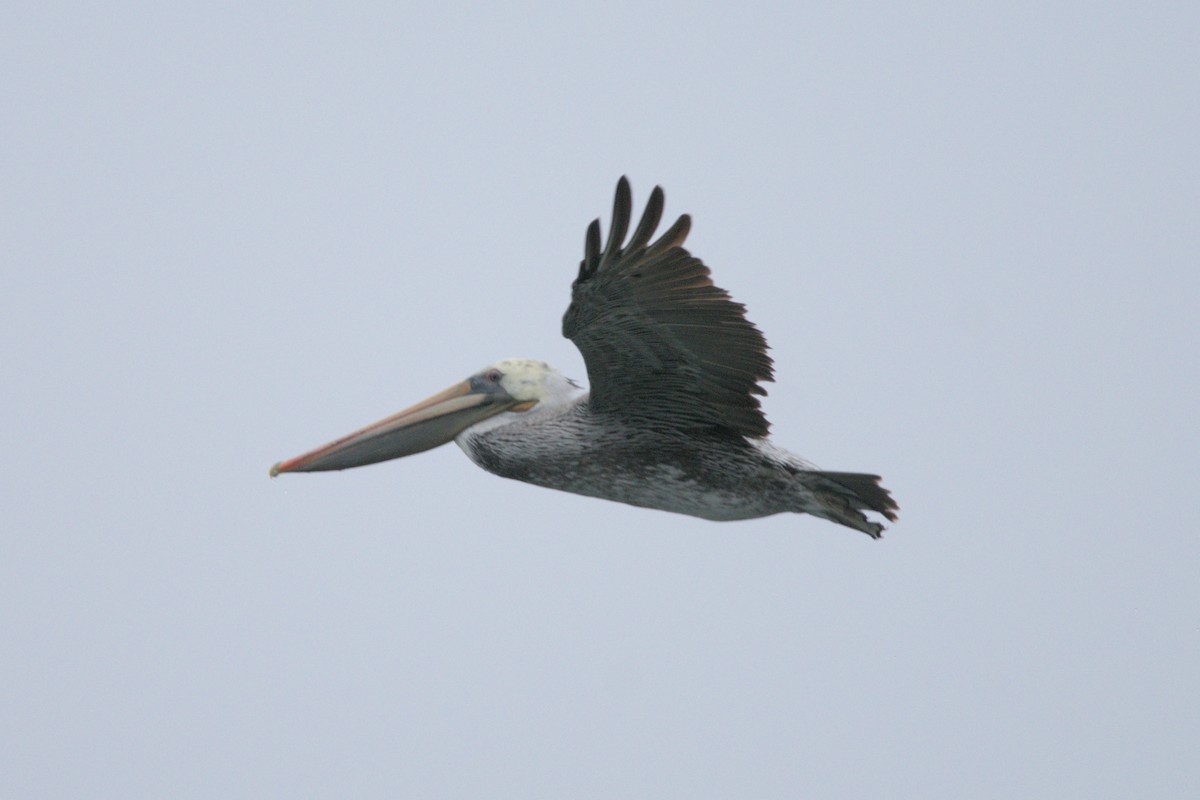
x,y
231,232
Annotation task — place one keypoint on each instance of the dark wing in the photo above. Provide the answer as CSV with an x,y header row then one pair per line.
x,y
660,341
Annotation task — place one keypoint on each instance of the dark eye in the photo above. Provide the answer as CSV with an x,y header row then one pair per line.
x,y
494,375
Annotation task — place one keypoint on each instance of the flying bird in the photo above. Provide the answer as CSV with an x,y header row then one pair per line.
x,y
672,420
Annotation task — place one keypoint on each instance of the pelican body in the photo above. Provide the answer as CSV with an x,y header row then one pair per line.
x,y
671,422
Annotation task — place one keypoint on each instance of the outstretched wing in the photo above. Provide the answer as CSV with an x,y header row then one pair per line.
x,y
660,341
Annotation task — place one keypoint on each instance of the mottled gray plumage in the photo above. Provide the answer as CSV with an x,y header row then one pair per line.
x,y
711,473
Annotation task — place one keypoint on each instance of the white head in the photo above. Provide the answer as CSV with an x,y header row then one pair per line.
x,y
537,387
529,380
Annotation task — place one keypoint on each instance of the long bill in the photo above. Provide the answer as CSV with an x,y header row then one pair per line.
x,y
426,425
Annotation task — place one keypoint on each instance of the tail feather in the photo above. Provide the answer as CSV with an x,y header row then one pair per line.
x,y
866,492
843,496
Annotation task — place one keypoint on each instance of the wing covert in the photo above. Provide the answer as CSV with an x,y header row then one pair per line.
x,y
660,341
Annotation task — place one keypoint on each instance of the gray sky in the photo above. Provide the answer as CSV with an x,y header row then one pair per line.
x,y
231,232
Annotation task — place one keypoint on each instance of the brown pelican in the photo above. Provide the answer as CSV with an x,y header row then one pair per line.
x,y
671,421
